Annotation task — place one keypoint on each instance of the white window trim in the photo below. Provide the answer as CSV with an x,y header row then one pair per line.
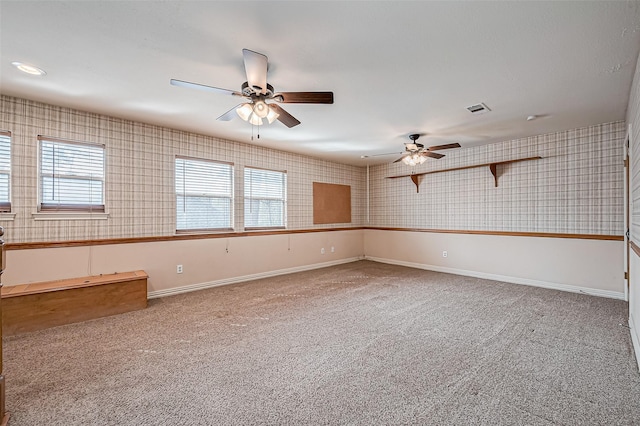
x,y
8,215
284,200
69,214
232,198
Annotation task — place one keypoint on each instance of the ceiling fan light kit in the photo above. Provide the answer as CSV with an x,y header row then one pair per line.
x,y
414,159
257,91
244,111
255,120
272,116
260,109
256,113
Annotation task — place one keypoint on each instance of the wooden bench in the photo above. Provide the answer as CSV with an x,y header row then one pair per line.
x,y
31,307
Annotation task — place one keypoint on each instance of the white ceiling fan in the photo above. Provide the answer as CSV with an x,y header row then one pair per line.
x,y
260,97
415,153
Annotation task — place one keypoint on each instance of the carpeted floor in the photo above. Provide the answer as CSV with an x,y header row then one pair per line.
x,y
357,344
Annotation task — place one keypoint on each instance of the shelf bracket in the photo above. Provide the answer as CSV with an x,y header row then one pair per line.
x,y
416,180
494,171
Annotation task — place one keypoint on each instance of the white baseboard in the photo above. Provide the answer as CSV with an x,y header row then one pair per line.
x,y
234,280
504,278
635,339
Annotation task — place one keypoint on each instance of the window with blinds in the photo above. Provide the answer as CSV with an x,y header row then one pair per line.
x,y
5,172
71,176
265,198
204,195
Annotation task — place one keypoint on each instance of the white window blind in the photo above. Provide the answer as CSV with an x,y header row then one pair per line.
x,y
265,198
71,176
5,172
204,195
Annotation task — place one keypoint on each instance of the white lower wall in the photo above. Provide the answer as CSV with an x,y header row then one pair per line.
x,y
590,266
634,302
578,265
206,262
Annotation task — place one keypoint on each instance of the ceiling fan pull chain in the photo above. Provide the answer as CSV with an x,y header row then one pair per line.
x,y
258,136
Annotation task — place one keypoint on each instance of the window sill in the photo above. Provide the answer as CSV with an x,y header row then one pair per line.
x,y
7,216
203,231
265,228
69,216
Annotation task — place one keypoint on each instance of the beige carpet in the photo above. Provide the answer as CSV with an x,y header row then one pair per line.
x,y
357,344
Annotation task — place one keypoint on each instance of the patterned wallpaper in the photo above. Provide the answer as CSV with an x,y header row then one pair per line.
x,y
140,195
576,188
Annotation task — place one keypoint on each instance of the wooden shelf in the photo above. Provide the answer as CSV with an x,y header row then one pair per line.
x,y
493,167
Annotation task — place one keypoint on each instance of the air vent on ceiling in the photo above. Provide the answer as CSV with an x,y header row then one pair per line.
x,y
478,108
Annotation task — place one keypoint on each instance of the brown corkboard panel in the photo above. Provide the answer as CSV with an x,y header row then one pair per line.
x,y
331,203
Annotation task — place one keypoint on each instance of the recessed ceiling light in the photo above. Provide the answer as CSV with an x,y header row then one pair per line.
x,y
29,69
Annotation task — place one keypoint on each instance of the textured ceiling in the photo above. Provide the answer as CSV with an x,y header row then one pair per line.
x,y
395,67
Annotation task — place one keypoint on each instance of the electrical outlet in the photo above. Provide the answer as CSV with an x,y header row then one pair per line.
x,y
333,249
322,250
179,269
445,254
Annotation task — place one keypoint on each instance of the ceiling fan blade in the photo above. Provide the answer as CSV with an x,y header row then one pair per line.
x,y
255,65
284,117
229,115
447,146
401,158
380,155
189,85
432,154
304,97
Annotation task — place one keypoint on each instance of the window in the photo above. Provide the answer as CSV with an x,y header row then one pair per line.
x,y
71,176
265,198
204,195
5,172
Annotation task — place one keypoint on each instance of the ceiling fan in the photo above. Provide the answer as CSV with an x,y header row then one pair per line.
x,y
416,153
256,92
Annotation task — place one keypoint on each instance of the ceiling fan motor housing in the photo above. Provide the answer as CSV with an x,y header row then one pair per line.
x,y
255,91
412,147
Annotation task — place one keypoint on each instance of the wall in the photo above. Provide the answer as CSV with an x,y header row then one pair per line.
x,y
577,187
140,197
575,191
206,262
140,200
633,121
569,264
